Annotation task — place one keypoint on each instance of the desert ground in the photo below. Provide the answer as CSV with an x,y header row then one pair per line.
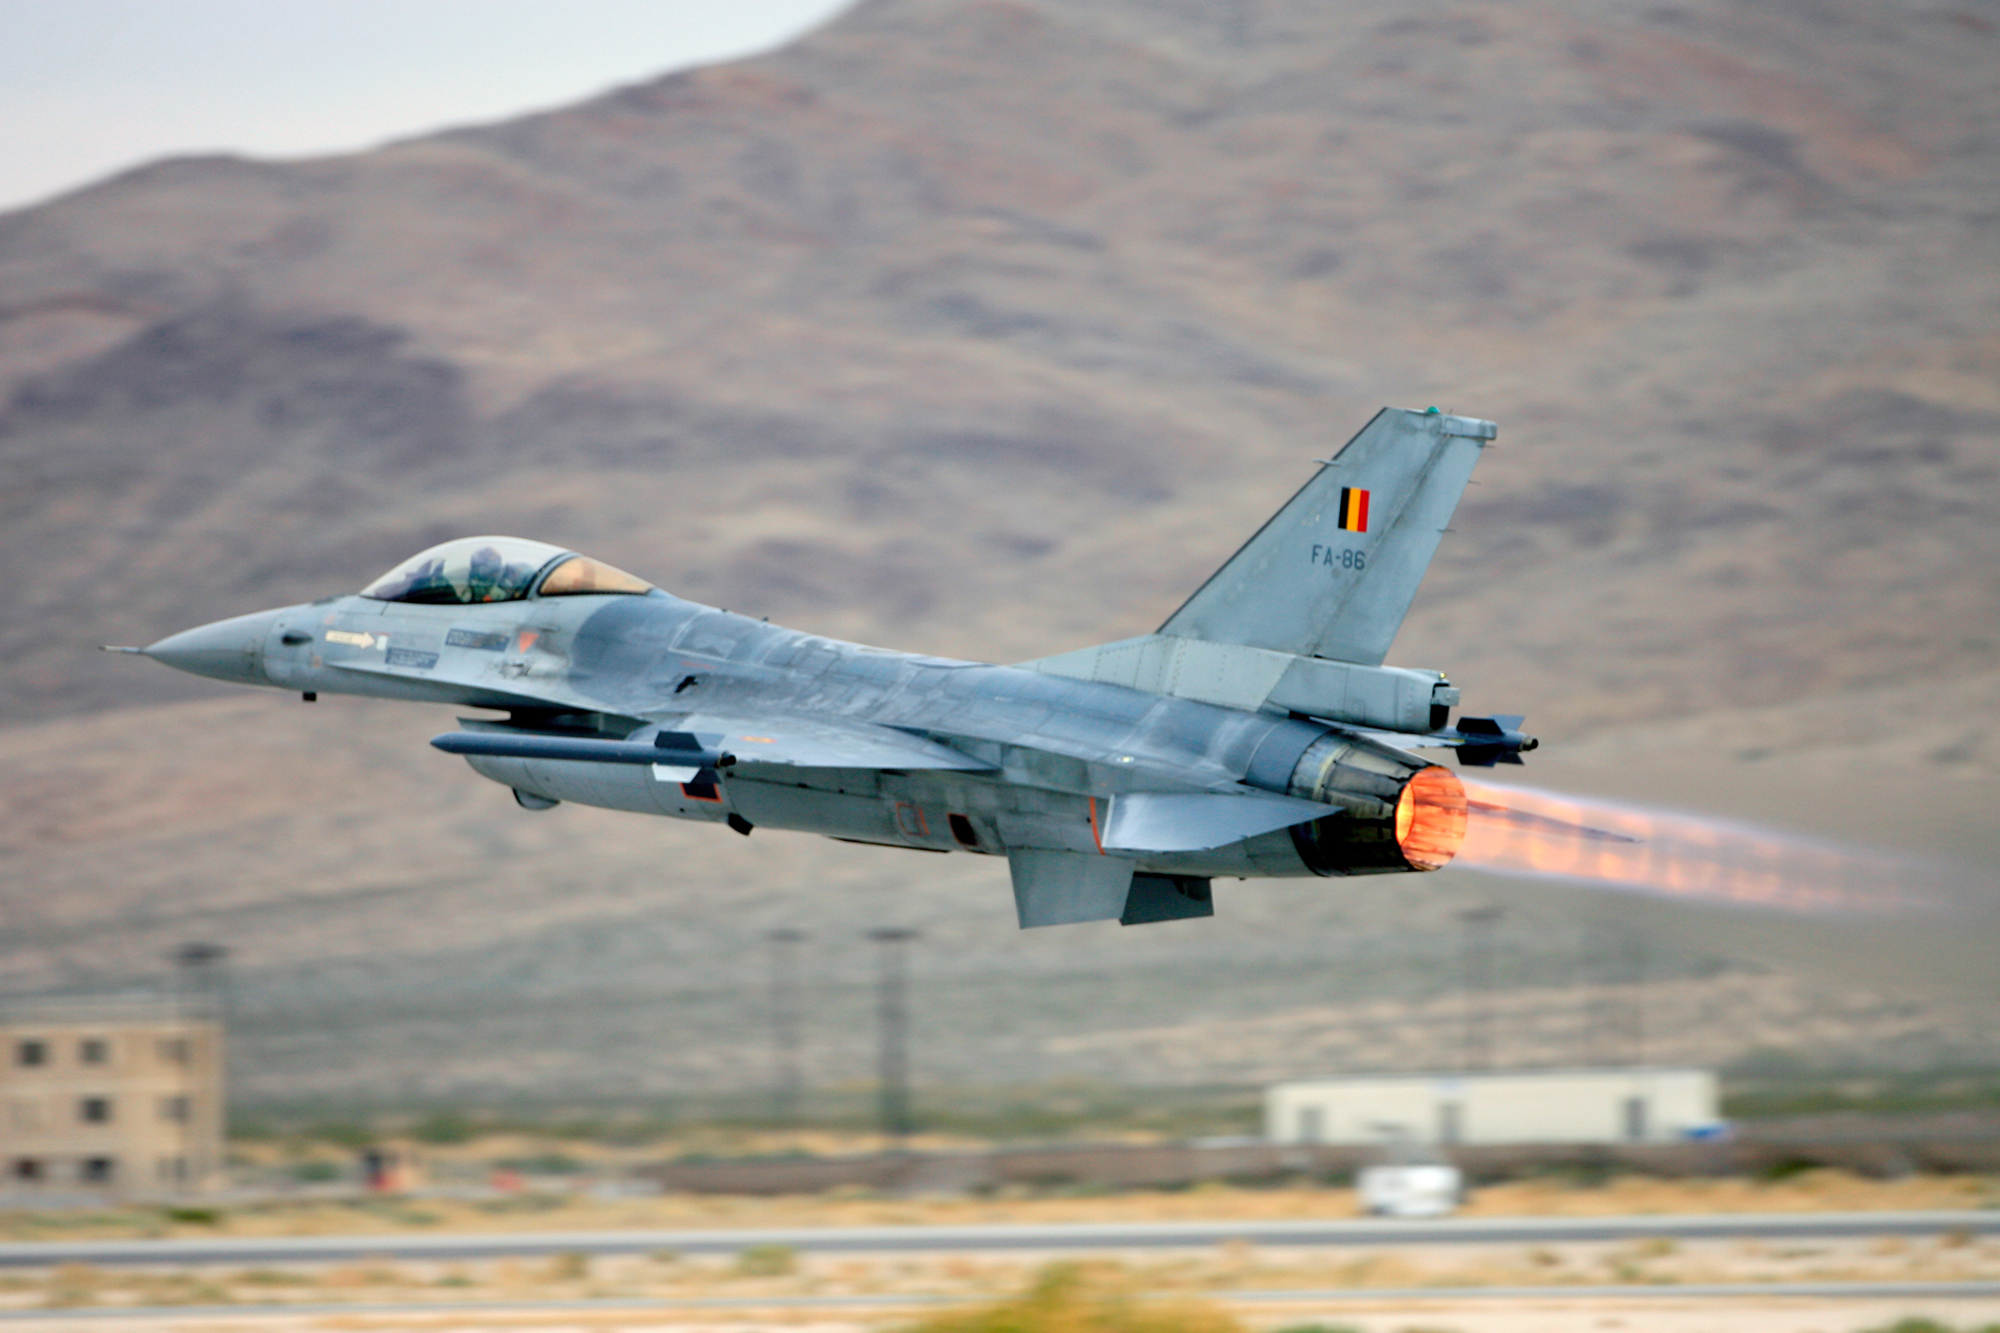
x,y
1263,1287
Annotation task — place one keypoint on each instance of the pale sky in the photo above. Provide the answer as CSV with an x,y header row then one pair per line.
x,y
91,87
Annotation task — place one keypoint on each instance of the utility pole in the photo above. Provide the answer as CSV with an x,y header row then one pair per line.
x,y
1615,1000
893,1031
1635,950
201,984
1477,975
787,1082
1589,1002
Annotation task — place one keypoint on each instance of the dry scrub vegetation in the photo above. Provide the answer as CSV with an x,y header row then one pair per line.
x,y
1076,1298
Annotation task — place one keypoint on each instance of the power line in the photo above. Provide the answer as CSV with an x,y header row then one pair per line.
x,y
1477,976
787,1080
893,1032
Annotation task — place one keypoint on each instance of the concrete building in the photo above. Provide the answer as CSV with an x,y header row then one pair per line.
x,y
1556,1106
113,1094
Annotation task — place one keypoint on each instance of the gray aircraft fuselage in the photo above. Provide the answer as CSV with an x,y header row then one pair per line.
x,y
1111,800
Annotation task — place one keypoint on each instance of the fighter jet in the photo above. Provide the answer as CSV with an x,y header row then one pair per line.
x,y
1255,734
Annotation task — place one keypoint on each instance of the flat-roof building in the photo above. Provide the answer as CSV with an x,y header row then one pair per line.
x,y
1553,1106
117,1094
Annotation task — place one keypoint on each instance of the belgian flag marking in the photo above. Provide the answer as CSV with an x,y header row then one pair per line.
x,y
1353,509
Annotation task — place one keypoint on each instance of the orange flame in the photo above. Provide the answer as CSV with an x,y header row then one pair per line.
x,y
1516,831
1430,818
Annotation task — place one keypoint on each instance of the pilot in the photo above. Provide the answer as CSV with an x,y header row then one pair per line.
x,y
428,578
491,577
486,580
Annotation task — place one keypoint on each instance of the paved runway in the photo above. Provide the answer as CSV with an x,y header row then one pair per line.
x,y
1053,1239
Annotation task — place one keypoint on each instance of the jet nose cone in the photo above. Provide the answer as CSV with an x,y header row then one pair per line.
x,y
231,650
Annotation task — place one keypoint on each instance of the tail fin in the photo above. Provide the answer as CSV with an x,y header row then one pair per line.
x,y
1334,572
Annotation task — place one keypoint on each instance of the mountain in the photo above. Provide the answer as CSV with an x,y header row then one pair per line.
x,y
989,328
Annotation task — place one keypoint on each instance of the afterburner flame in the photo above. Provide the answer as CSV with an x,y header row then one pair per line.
x,y
1430,818
1516,831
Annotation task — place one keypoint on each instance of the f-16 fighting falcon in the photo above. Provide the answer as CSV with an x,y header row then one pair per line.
x,y
1257,733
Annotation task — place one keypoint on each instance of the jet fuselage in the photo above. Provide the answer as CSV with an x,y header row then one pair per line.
x,y
1053,749
1257,733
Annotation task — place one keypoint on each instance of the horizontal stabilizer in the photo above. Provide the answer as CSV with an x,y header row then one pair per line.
x,y
1058,888
1195,822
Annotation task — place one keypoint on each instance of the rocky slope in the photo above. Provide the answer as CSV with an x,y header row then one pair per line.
x,y
989,329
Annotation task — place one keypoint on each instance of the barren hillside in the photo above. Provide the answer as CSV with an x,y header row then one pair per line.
x,y
989,328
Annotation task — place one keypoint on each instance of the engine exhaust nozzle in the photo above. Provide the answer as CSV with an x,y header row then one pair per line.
x,y
1430,818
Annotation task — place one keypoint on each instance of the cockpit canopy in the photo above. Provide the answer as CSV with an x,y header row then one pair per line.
x,y
498,569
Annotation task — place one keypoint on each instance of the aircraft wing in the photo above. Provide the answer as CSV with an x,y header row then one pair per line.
x,y
801,742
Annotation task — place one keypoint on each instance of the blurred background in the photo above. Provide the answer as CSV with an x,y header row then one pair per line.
x,y
989,329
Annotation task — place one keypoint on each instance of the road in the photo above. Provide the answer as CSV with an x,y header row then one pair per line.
x,y
1052,1239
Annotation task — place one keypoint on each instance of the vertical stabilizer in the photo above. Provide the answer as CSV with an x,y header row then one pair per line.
x,y
1334,572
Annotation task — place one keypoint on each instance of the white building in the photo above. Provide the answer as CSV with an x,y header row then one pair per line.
x,y
1555,1106
114,1094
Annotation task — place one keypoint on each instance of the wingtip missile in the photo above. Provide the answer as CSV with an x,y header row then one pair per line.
x,y
1487,741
